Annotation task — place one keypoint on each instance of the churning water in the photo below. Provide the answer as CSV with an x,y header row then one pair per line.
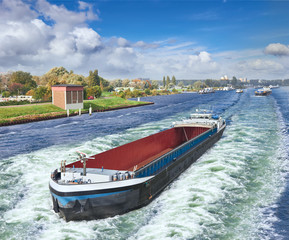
x,y
236,190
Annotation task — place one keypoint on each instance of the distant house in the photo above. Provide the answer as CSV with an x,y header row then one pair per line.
x,y
67,96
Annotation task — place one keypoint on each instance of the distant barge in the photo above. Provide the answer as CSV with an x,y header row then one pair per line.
x,y
132,175
263,92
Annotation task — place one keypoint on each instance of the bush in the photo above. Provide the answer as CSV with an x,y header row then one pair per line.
x,y
136,93
175,90
11,103
148,91
155,92
108,89
122,94
6,94
94,91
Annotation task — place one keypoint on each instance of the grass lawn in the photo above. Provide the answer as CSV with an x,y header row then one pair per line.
x,y
11,112
107,103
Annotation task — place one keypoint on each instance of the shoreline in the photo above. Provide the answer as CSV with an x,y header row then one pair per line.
x,y
43,118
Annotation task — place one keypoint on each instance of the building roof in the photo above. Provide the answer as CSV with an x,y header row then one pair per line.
x,y
67,85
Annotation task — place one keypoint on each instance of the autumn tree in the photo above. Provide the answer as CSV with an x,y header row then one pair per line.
x,y
94,91
93,79
41,93
53,76
15,88
117,83
23,78
164,81
125,82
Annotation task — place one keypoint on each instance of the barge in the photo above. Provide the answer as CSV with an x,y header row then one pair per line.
x,y
263,92
132,175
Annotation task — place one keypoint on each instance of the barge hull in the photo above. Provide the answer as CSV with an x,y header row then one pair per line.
x,y
120,202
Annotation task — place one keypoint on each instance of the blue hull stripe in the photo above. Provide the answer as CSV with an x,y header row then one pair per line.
x,y
65,200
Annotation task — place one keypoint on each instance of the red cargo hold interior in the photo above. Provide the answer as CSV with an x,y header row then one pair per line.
x,y
141,151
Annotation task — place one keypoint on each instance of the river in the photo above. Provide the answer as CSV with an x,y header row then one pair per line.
x,y
238,189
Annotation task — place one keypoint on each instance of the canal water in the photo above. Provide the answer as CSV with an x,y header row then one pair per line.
x,y
239,189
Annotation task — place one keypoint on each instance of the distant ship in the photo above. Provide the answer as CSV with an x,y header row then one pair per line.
x,y
206,91
132,175
263,91
239,91
276,86
228,88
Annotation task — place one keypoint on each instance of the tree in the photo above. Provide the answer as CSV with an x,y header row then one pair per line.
x,y
164,81
234,81
40,93
58,71
53,76
174,81
147,84
148,91
155,84
104,82
136,93
15,88
94,91
30,93
181,84
171,85
93,79
168,81
72,78
125,82
209,82
25,79
117,83
127,93
108,88
154,92
199,84
175,90
6,94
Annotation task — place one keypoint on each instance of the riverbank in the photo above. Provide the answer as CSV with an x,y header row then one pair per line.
x,y
25,114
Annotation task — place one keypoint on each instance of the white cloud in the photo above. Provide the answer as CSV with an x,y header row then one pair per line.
x,y
86,39
277,49
262,68
37,38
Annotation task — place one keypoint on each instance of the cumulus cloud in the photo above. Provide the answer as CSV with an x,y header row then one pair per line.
x,y
262,68
277,49
86,39
37,35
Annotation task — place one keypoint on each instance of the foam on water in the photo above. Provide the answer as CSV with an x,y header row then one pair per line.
x,y
223,195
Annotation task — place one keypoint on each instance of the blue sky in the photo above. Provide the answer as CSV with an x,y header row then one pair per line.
x,y
128,39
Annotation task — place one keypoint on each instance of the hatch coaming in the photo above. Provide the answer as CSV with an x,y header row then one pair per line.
x,y
165,160
131,155
148,167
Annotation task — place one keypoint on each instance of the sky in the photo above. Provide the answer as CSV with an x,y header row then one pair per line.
x,y
189,39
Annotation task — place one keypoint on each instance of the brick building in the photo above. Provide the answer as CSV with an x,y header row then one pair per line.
x,y
67,96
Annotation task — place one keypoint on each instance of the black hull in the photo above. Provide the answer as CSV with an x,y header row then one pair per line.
x,y
122,200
